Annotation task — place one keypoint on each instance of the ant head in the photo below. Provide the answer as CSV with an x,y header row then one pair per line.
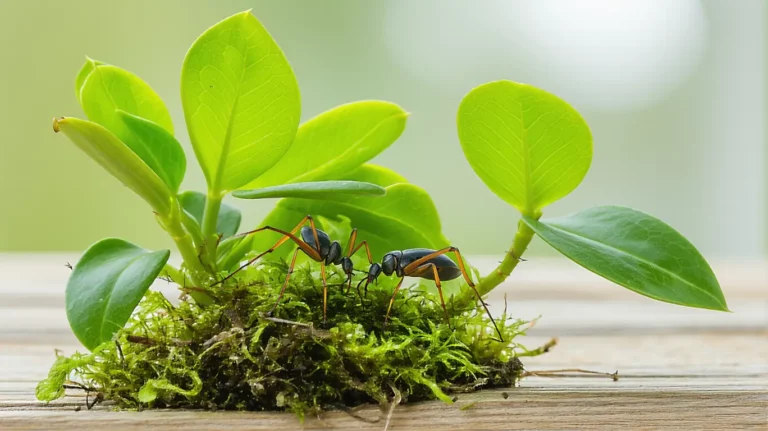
x,y
346,265
374,272
389,263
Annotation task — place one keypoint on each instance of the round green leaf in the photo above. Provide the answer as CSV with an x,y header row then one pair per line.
x,y
105,287
528,146
107,89
114,156
313,190
229,217
346,135
241,102
375,174
636,251
158,148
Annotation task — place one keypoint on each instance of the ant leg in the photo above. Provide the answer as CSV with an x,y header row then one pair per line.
x,y
325,291
352,250
314,254
392,300
439,289
285,284
411,267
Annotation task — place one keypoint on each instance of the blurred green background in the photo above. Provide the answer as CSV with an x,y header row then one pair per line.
x,y
674,93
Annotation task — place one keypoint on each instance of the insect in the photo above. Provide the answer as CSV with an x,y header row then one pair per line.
x,y
318,246
424,263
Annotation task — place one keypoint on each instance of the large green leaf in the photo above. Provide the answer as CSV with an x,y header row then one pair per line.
x,y
636,251
241,102
106,285
158,148
336,142
107,89
374,174
528,146
229,216
313,190
404,218
114,156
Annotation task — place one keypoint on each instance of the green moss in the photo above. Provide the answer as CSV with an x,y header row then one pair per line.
x,y
235,355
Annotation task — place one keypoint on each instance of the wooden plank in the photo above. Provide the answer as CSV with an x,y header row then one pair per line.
x,y
679,368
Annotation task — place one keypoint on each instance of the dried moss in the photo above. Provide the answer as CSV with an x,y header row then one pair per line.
x,y
234,355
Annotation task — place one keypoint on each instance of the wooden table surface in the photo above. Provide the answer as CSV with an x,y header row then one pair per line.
x,y
679,368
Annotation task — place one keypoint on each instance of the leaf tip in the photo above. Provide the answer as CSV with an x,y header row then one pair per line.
x,y
56,124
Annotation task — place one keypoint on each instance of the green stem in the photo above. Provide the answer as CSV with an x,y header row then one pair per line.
x,y
210,222
195,269
522,239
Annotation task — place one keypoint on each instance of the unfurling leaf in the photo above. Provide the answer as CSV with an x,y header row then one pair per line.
x,y
636,251
241,102
336,142
119,160
528,146
105,287
313,190
229,216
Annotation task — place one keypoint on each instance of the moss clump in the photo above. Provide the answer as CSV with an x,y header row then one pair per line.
x,y
235,355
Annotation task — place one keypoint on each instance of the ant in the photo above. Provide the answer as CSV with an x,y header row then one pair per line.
x,y
318,246
428,264
418,262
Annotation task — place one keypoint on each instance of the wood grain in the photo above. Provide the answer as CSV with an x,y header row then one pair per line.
x,y
679,368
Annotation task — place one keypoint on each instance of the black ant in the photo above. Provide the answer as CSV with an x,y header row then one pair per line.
x,y
418,262
424,263
318,246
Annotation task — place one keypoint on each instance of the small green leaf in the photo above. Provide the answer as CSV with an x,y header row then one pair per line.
x,y
528,146
158,148
347,136
404,218
105,287
114,156
313,190
241,102
374,174
636,251
107,89
88,67
229,216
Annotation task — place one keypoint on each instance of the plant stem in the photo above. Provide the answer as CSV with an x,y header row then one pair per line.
x,y
210,221
197,272
523,237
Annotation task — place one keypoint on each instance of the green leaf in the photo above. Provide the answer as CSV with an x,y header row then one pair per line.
x,y
158,148
105,287
88,67
241,102
528,146
114,156
229,217
107,89
52,387
336,142
636,251
375,174
313,190
404,218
